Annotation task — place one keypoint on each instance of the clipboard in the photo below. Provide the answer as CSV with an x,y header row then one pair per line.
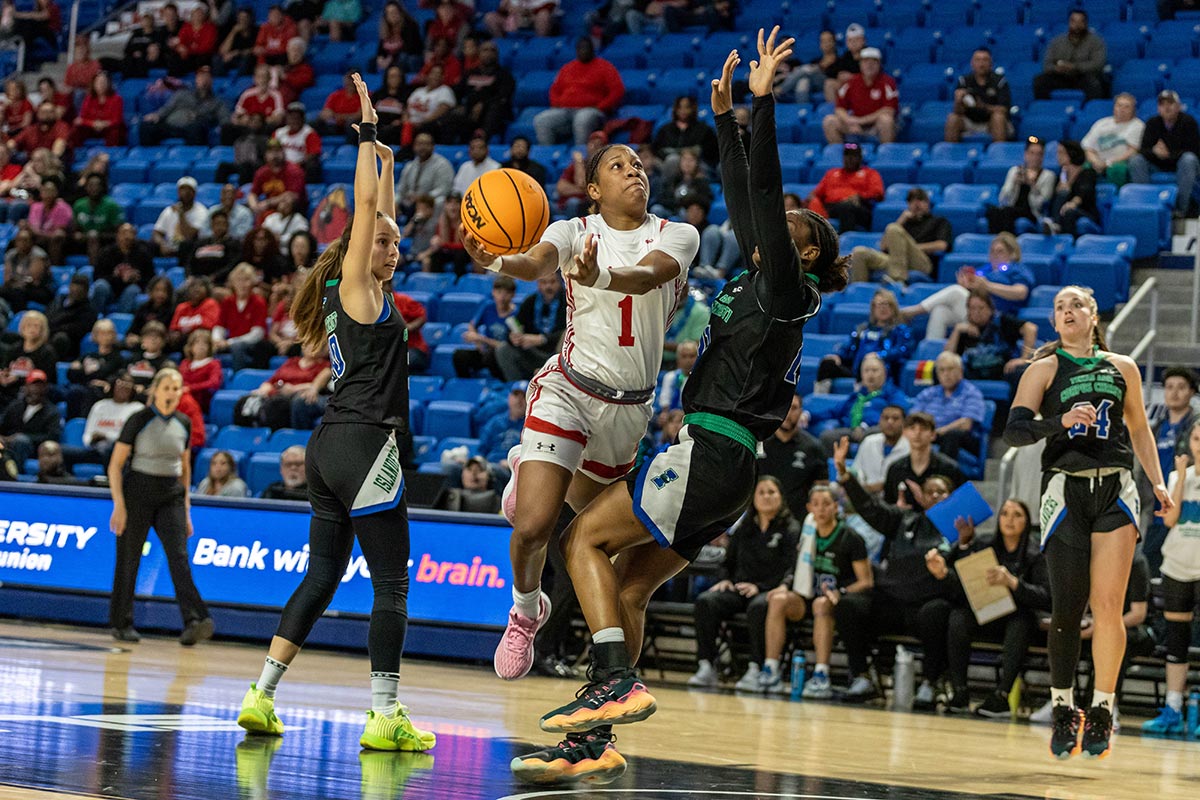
x,y
965,501
988,602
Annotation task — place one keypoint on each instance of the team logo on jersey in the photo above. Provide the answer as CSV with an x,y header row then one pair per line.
x,y
331,323
546,447
661,480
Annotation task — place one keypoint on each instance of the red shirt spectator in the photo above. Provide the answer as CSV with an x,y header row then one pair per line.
x,y
272,181
412,310
298,138
203,377
443,57
84,68
447,25
588,82
294,372
268,102
190,317
343,104
271,44
45,132
191,409
860,99
295,78
198,39
838,184
102,114
240,321
18,111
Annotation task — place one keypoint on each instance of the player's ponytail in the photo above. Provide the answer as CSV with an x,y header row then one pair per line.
x,y
831,270
306,307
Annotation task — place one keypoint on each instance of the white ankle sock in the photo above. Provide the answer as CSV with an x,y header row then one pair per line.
x,y
1175,700
605,635
772,664
268,681
1104,700
385,686
821,669
528,603
1063,697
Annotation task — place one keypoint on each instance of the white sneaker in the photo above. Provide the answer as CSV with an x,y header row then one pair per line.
x,y
508,500
1043,715
925,698
861,690
705,677
749,681
771,682
818,687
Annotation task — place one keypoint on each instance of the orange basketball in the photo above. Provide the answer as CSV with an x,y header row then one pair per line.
x,y
506,210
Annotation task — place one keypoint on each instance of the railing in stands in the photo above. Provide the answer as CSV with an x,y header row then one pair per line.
x,y
1004,480
72,30
1195,297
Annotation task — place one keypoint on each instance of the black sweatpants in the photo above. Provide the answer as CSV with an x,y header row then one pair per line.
x,y
1015,631
863,617
153,501
713,608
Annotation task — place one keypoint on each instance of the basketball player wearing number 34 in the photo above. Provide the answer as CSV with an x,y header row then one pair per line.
x,y
1094,422
625,272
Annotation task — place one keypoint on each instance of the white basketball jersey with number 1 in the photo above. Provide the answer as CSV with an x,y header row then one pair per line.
x,y
616,338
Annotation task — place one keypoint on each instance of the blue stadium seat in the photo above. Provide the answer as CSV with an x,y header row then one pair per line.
x,y
963,204
853,239
1141,77
910,45
234,437
456,307
818,345
425,387
245,380
73,432
973,465
428,299
472,282
1103,263
860,292
928,123
147,211
897,163
435,332
534,88
433,282
442,362
921,83
261,471
1144,212
929,349
847,316
423,449
129,169
464,390
447,418
220,410
284,438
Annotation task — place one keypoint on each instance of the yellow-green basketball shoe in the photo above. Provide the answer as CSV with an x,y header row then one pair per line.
x,y
395,731
258,713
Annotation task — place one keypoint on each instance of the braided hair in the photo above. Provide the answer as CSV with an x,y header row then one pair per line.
x,y
591,173
829,267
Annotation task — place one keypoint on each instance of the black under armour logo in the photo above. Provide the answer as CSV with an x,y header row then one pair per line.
x,y
548,446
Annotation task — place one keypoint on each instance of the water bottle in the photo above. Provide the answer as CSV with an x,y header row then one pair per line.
x,y
903,680
798,675
1193,712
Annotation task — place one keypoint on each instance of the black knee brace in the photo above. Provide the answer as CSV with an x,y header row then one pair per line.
x,y
1179,637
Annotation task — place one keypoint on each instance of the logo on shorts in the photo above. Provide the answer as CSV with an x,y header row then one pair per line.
x,y
331,323
1049,506
547,447
660,481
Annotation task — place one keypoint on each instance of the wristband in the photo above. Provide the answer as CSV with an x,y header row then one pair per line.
x,y
496,265
603,279
367,132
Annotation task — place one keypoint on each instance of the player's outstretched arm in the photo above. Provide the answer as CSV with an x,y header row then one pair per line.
x,y
536,262
735,167
359,290
656,267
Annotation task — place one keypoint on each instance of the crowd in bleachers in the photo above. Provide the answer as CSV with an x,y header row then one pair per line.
x,y
165,202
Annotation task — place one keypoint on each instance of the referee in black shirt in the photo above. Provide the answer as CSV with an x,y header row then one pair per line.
x,y
154,492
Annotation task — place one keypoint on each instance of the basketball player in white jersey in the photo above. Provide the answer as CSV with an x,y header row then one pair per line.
x,y
590,403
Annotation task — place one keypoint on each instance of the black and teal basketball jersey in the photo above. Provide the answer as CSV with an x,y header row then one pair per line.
x,y
749,361
369,363
1097,382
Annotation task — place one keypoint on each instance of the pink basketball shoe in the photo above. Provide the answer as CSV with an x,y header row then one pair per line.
x,y
514,654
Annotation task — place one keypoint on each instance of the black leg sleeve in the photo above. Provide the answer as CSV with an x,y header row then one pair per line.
x,y
1070,585
385,545
329,545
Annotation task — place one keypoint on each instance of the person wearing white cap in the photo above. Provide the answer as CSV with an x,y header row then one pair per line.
x,y
181,221
846,65
867,104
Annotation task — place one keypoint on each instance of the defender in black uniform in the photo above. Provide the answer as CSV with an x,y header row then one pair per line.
x,y
738,394
1093,421
353,459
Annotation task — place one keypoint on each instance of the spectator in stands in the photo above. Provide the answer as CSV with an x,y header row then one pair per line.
x,y
27,277
909,243
285,221
90,376
518,158
1073,60
400,43
236,53
1112,141
197,43
541,319
452,23
583,94
50,466
1170,143
12,207
260,98
152,355
18,111
848,63
340,17
685,132
83,70
171,23
883,333
293,484
105,419
389,102
867,103
249,151
48,132
189,114
794,457
487,92
31,419
798,83
858,414
296,74
242,322
420,230
63,102
429,104
121,270
97,217
428,173
50,221
447,242
688,324
222,479
992,344
1003,278
476,493
1022,570
415,316
301,255
260,249
442,55
669,395
487,331
42,22
1076,196
270,47
31,351
274,180
202,374
907,596
921,463
478,162
501,433
719,253
293,396
340,109
881,449
1170,421
179,224
241,218
216,253
834,560
198,311
135,60
689,182
70,317
956,406
571,188
981,101
847,194
758,557
1027,188
516,15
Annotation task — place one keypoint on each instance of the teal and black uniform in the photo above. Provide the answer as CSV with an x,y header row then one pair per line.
x,y
743,383
1087,478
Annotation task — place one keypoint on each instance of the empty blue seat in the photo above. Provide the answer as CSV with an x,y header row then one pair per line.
x,y
423,449
847,316
220,410
447,418
435,332
534,88
819,345
73,432
472,282
897,163
248,379
442,362
434,282
453,442
466,390
284,438
261,471
425,387
234,437
456,307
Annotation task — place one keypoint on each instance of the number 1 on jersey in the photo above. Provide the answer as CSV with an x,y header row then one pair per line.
x,y
625,339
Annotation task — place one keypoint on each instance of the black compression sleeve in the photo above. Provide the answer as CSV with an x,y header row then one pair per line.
x,y
735,179
1022,429
779,262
